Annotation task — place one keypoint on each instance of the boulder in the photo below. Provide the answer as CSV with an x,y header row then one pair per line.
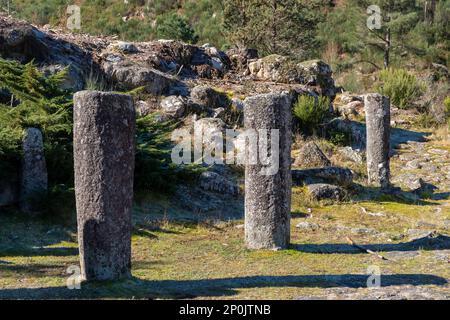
x,y
124,47
240,57
356,130
341,176
317,73
354,108
351,154
144,108
272,67
74,79
323,191
131,76
314,73
173,106
310,156
19,40
212,181
208,126
210,98
346,98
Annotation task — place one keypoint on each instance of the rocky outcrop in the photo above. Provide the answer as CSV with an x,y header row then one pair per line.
x,y
129,77
314,73
50,51
240,57
174,106
208,97
355,130
341,176
212,181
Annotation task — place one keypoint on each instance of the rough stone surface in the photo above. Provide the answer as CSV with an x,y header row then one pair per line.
x,y
174,106
355,130
212,181
268,197
314,73
34,178
210,98
104,129
342,176
208,128
307,226
323,191
378,135
351,154
129,77
310,156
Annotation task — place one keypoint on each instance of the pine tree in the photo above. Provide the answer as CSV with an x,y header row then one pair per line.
x,y
286,27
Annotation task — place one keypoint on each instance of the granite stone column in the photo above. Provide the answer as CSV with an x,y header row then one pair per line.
x,y
268,196
378,126
34,177
104,147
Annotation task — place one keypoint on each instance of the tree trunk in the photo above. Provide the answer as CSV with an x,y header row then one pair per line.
x,y
429,10
387,48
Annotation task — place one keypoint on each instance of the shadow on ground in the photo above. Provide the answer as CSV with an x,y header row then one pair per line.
x,y
431,242
177,289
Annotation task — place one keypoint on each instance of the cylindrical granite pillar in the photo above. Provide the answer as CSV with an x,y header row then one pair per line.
x,y
378,126
34,177
268,195
104,144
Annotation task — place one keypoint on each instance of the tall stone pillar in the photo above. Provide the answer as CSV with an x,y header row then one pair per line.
x,y
268,194
378,124
104,147
34,177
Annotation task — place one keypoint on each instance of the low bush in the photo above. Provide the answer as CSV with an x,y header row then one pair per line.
x,y
401,87
311,112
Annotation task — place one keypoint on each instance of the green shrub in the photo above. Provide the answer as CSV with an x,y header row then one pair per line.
x,y
447,106
339,138
401,87
174,26
36,101
154,168
311,112
447,110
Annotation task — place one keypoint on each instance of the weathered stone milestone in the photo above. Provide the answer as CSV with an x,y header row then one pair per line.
x,y
104,148
378,124
34,177
268,196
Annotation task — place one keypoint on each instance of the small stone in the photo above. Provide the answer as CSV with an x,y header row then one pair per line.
x,y
309,226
